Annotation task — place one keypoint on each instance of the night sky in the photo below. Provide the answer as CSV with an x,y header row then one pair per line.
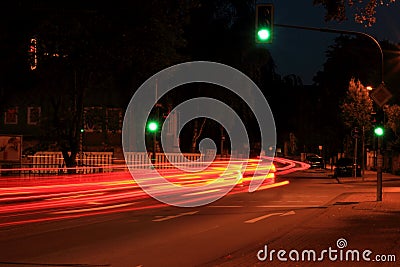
x,y
302,52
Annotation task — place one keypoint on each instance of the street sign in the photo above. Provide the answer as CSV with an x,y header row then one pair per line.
x,y
355,133
381,95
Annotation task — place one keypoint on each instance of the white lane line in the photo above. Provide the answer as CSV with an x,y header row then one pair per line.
x,y
270,215
263,217
175,216
289,213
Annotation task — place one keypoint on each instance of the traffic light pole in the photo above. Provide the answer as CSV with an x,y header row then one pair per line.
x,y
341,32
379,167
153,157
379,171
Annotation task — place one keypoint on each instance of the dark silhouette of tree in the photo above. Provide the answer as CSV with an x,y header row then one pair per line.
x,y
223,31
363,11
347,58
87,49
392,136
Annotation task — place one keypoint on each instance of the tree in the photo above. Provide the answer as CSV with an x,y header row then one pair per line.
x,y
88,50
356,112
222,31
392,113
357,106
347,58
364,10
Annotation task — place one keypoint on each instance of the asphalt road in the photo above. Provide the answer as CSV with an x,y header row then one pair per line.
x,y
171,236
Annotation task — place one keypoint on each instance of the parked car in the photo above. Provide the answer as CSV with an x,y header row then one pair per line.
x,y
345,167
315,161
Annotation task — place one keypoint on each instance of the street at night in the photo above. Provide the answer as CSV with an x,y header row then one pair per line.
x,y
199,133
95,226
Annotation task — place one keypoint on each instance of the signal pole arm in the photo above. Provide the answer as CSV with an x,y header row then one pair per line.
x,y
341,32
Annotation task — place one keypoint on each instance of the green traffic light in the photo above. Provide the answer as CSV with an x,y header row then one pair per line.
x,y
379,131
263,34
152,126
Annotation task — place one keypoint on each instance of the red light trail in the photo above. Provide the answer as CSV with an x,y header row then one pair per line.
x,y
49,198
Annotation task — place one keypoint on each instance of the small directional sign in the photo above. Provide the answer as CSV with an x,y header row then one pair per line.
x,y
355,133
381,95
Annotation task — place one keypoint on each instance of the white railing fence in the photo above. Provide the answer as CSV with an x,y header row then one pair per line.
x,y
53,162
140,160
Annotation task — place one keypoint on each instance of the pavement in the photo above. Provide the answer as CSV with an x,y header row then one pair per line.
x,y
352,222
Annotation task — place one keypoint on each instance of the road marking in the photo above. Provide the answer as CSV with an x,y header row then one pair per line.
x,y
268,186
289,213
270,215
175,216
262,217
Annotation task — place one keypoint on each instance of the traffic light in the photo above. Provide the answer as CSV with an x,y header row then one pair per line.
x,y
152,126
264,23
379,131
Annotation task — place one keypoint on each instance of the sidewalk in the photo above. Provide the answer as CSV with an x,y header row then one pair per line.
x,y
354,218
369,176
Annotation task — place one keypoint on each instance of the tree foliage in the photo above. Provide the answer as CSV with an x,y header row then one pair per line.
x,y
364,10
393,118
392,113
222,31
357,106
347,58
88,51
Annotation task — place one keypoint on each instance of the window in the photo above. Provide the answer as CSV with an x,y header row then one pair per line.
x,y
93,118
11,116
114,120
33,115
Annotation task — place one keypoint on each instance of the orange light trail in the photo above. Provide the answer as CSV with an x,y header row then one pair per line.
x,y
60,197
